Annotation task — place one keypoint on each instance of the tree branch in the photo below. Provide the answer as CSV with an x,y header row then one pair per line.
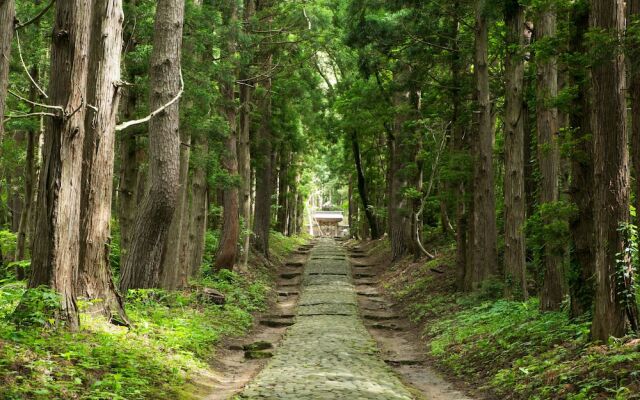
x,y
128,124
36,18
33,103
15,116
26,70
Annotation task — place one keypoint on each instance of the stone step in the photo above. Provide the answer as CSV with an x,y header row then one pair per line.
x,y
277,323
398,362
327,274
380,317
288,293
257,354
294,264
387,326
290,275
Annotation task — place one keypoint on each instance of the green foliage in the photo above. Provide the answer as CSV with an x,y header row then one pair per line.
x,y
171,339
282,245
37,307
628,265
7,243
548,228
527,354
211,240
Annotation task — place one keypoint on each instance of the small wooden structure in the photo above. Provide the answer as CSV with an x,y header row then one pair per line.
x,y
326,223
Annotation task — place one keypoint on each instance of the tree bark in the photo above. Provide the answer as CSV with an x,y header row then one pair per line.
x,y
460,145
141,265
283,190
29,184
227,253
292,209
244,145
401,171
614,277
199,205
581,288
552,291
94,275
483,225
515,207
186,244
7,23
264,184
362,188
132,155
56,244
633,54
171,270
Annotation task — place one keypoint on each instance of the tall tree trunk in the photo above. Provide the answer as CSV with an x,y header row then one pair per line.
x,y
397,209
552,291
352,211
131,153
94,275
29,184
292,206
171,269
515,207
633,54
581,288
244,145
186,244
460,144
7,22
400,223
614,277
199,205
227,253
15,200
283,191
299,213
141,265
362,188
483,225
56,244
264,184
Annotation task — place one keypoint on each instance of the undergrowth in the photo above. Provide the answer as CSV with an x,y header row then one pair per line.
x,y
511,348
172,339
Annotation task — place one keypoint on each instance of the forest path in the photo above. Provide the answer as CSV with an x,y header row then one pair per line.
x,y
327,353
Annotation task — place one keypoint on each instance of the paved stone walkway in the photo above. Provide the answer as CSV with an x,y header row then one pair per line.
x,y
327,353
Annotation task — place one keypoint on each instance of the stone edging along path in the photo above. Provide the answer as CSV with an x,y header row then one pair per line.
x,y
327,353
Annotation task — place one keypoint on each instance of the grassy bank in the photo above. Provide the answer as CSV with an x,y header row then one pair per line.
x,y
172,339
509,348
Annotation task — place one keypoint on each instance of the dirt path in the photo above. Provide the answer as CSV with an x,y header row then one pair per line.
x,y
327,353
240,360
328,349
400,346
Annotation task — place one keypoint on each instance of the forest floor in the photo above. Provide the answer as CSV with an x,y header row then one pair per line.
x,y
498,349
172,345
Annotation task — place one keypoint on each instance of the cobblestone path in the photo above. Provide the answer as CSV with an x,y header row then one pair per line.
x,y
327,353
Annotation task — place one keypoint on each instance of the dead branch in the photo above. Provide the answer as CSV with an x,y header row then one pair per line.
x,y
28,115
128,124
37,17
33,103
26,70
